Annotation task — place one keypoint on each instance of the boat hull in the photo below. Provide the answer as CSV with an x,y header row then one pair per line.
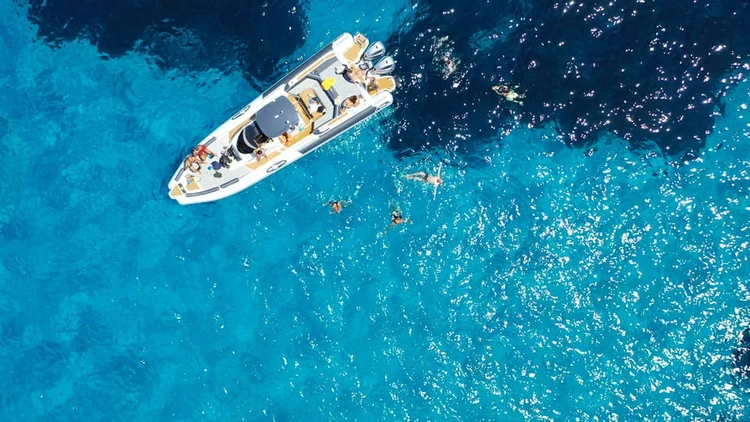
x,y
317,91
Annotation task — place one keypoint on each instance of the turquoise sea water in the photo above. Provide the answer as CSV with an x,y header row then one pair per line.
x,y
542,283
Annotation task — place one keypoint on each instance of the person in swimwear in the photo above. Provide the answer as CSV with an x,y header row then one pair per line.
x,y
396,219
450,65
357,74
336,206
314,104
285,138
426,178
193,163
350,102
509,94
202,152
372,85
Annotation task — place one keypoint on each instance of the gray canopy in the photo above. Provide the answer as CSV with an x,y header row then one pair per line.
x,y
277,117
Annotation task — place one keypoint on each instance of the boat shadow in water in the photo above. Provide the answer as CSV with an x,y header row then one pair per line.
x,y
193,34
644,73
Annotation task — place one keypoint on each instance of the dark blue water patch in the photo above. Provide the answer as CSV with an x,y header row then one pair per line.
x,y
119,383
11,331
4,127
90,333
741,358
646,71
192,34
40,366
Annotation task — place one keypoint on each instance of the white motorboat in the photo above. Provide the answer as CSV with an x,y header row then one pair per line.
x,y
340,86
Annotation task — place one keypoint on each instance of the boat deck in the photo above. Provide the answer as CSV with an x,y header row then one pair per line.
x,y
316,92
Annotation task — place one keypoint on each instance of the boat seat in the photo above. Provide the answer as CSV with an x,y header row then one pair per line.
x,y
306,124
383,83
324,67
342,116
315,65
266,158
354,53
332,94
175,192
192,184
304,113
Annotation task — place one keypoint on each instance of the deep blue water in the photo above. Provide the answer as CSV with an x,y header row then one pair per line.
x,y
587,258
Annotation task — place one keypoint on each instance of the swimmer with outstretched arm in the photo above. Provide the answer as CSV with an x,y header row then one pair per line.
x,y
426,178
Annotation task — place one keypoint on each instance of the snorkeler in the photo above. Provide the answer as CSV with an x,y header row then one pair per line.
x,y
426,178
509,93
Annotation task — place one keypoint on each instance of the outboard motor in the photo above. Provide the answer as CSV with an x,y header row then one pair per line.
x,y
384,66
375,51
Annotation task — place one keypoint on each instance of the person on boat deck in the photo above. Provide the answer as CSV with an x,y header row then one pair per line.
x,y
202,152
357,74
509,93
336,206
350,102
372,85
424,177
396,219
193,163
285,138
314,104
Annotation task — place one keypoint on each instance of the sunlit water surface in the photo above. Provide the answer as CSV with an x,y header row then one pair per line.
x,y
542,282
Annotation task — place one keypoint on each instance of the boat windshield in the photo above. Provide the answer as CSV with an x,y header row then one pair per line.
x,y
250,138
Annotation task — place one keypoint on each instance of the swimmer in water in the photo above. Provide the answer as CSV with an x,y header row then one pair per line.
x,y
336,206
426,178
396,219
509,94
450,65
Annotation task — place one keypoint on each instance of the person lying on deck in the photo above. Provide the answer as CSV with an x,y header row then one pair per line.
x,y
193,163
202,152
350,102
